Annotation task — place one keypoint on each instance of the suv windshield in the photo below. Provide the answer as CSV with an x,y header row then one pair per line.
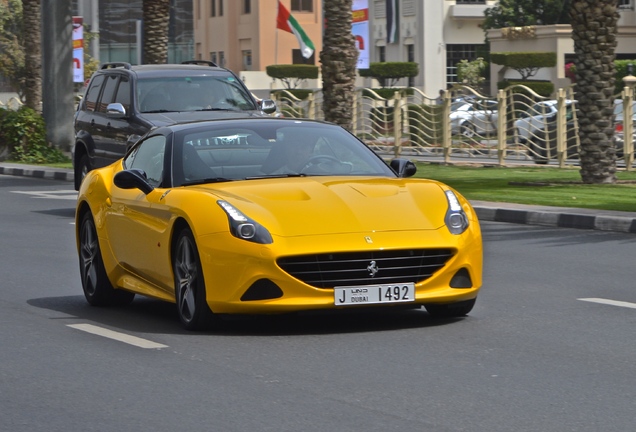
x,y
192,93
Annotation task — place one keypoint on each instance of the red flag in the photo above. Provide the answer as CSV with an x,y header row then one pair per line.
x,y
282,21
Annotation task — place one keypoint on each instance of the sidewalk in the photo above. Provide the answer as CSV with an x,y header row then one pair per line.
x,y
564,217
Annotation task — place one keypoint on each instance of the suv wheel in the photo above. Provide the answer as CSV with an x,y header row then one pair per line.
x,y
82,168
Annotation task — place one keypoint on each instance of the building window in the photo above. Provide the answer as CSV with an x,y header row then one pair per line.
x,y
456,53
410,56
247,6
220,7
213,57
297,58
212,8
625,4
471,1
381,54
247,60
302,5
221,59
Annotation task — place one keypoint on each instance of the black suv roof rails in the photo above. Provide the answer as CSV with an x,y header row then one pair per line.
x,y
113,65
200,63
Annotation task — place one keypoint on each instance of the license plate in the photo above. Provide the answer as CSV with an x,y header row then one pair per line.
x,y
374,294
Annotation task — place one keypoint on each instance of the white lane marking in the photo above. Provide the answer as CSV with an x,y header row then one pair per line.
x,y
54,194
121,337
610,302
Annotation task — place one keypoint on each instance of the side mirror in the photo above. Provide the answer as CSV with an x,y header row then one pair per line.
x,y
115,110
133,179
403,167
268,106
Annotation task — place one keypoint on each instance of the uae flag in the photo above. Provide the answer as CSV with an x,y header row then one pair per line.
x,y
288,23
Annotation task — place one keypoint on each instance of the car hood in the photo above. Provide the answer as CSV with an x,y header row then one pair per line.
x,y
168,118
328,205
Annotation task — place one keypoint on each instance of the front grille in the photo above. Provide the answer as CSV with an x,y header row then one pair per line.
x,y
355,268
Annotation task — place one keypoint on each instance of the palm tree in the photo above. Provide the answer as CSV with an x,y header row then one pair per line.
x,y
31,13
594,34
156,16
339,57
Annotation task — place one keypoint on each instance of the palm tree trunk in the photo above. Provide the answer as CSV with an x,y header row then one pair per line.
x,y
156,16
339,57
594,34
31,13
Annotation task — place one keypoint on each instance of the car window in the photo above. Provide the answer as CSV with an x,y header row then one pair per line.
x,y
93,93
148,156
193,93
256,151
108,95
123,93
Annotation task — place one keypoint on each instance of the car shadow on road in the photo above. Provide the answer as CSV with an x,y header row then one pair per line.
x,y
146,315
61,212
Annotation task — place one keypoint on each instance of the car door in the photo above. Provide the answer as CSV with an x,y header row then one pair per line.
x,y
541,114
138,224
86,127
115,127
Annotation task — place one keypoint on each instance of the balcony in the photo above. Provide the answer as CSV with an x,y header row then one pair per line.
x,y
468,9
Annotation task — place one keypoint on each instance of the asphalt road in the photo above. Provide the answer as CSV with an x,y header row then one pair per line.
x,y
548,347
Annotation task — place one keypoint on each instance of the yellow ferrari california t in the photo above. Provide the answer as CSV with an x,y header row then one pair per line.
x,y
273,215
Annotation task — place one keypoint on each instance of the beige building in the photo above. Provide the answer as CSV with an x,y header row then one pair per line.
x,y
242,35
436,34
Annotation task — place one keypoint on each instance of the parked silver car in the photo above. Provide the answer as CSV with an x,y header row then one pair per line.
x,y
536,118
474,117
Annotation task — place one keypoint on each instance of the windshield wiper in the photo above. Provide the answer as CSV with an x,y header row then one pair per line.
x,y
207,180
156,111
268,176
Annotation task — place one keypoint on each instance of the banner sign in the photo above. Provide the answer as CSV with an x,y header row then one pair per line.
x,y
78,49
360,30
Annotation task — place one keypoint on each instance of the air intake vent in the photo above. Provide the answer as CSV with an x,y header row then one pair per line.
x,y
364,268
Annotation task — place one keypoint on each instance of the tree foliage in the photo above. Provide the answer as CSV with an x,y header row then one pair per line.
x,y
519,13
11,51
527,64
291,75
389,73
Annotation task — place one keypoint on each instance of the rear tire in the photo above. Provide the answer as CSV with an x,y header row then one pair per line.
x,y
82,168
467,130
452,310
97,288
189,286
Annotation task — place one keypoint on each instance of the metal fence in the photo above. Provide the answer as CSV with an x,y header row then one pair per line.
x,y
517,124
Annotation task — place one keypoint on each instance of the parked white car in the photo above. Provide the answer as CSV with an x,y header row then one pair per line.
x,y
474,117
538,117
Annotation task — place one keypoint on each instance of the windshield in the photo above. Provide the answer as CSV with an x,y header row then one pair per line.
x,y
272,149
193,93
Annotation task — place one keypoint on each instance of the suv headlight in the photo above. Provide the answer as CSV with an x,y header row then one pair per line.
x,y
243,227
456,219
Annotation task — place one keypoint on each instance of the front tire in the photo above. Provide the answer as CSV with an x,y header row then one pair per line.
x,y
97,288
452,310
189,286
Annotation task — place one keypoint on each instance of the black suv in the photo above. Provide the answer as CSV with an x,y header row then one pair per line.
x,y
123,102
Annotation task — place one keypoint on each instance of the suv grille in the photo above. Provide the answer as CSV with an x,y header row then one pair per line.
x,y
356,268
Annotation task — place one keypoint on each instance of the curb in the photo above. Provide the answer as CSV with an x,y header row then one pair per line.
x,y
624,222
44,173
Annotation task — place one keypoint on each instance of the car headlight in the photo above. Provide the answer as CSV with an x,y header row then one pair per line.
x,y
243,227
456,219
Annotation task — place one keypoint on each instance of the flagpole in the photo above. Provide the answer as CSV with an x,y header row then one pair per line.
x,y
276,30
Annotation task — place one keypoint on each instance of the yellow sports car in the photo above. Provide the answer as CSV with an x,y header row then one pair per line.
x,y
272,215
